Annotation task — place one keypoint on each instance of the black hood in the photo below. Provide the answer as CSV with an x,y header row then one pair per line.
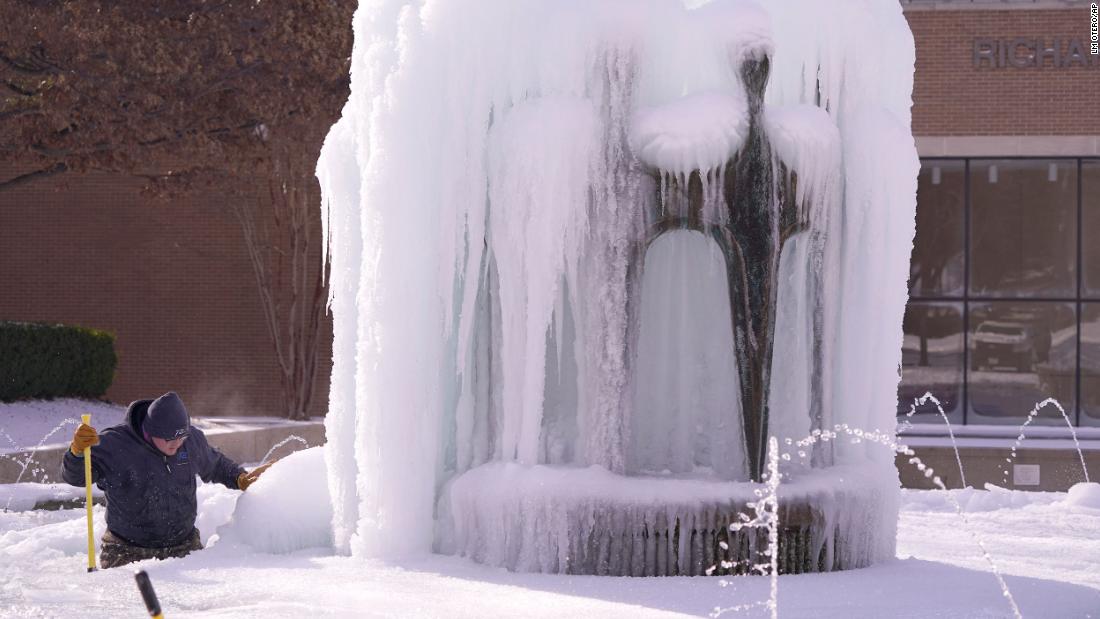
x,y
135,416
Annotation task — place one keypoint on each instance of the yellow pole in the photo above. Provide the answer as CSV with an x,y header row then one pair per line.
x,y
87,419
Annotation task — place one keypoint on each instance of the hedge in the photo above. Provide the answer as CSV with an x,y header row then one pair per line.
x,y
52,361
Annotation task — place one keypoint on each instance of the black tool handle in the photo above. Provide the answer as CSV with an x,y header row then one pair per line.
x,y
147,593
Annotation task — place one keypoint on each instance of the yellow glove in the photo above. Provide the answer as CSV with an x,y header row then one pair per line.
x,y
85,436
246,479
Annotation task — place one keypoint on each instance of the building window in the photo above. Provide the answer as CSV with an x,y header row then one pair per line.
x,y
932,358
1021,353
937,265
1023,228
1090,226
1090,364
1004,288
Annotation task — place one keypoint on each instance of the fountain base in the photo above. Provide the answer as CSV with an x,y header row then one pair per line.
x,y
590,521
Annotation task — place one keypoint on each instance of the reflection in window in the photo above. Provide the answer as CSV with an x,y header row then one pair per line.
x,y
1090,364
1090,226
937,265
1013,281
932,361
1020,354
1023,227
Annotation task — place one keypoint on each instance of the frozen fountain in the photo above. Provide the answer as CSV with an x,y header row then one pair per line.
x,y
589,257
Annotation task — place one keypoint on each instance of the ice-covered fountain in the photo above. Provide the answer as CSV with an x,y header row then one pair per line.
x,y
587,257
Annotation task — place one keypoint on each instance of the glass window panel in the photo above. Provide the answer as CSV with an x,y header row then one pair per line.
x,y
1090,364
932,361
937,265
1090,226
1020,354
1023,227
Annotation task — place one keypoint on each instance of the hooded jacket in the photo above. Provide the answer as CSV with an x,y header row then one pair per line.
x,y
150,496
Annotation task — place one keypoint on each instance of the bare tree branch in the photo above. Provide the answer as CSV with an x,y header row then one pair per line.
x,y
55,169
19,90
20,112
234,97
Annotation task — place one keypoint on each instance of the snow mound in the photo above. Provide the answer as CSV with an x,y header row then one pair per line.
x,y
287,509
1084,495
972,500
24,496
698,132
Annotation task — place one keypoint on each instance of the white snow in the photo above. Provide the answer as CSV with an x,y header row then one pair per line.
x,y
1027,533
1050,553
286,509
699,132
1085,495
24,496
990,498
27,424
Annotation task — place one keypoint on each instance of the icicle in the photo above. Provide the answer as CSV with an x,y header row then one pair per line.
x,y
506,176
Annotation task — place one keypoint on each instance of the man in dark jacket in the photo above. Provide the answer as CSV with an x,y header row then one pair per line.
x,y
146,467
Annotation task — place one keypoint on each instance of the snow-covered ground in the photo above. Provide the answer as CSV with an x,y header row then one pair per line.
x,y
27,424
1047,545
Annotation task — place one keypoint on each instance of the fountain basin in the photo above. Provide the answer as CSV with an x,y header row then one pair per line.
x,y
590,521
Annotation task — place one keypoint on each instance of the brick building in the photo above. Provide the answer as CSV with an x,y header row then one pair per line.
x,y
171,279
1005,278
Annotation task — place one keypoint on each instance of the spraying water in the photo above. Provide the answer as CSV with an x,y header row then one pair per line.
x,y
766,512
25,463
1031,417
11,441
921,401
292,437
1039,406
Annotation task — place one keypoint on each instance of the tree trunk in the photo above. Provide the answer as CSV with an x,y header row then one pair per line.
x,y
290,281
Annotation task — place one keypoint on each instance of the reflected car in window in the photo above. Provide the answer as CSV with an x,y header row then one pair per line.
x,y
1008,344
